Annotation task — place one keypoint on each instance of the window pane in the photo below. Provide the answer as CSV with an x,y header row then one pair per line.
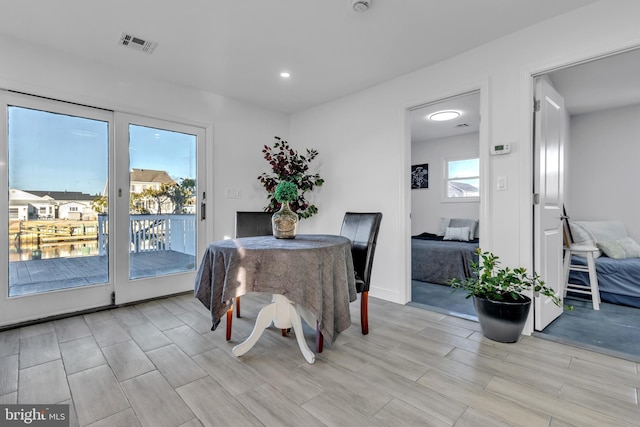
x,y
464,168
58,167
162,213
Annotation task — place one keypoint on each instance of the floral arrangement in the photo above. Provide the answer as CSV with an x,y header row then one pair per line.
x,y
286,192
490,282
290,166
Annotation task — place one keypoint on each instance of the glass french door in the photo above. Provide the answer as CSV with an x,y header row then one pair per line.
x,y
159,192
99,207
54,167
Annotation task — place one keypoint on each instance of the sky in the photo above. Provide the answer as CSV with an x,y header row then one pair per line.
x,y
464,168
57,152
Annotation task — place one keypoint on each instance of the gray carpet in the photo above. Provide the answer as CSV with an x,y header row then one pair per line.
x,y
442,299
613,330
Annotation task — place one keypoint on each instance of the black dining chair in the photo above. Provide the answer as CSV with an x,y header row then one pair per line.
x,y
362,229
249,224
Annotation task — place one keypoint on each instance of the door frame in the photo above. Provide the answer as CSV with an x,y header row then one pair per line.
x,y
126,289
482,87
527,90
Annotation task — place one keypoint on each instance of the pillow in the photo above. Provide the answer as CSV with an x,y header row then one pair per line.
x,y
583,237
457,233
619,249
444,223
460,222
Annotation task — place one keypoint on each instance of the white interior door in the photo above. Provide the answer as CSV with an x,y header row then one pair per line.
x,y
159,189
548,185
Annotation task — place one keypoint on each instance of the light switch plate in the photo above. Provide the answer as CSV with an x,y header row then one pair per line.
x,y
232,193
502,183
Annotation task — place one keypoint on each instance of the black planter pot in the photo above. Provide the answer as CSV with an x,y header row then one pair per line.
x,y
502,321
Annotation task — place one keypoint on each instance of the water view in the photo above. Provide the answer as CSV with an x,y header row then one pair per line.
x,y
59,206
53,250
44,239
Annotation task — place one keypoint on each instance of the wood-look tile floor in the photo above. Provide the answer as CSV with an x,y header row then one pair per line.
x,y
158,364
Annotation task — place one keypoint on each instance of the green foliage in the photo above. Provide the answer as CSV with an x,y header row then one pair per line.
x,y
181,194
178,195
288,165
159,195
100,204
491,282
174,195
286,192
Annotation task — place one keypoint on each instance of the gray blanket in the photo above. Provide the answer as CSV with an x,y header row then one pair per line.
x,y
438,261
314,271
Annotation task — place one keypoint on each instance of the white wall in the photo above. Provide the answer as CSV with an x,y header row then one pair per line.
x,y
364,138
603,167
236,131
427,205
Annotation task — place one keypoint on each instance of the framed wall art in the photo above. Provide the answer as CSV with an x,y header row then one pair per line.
x,y
420,176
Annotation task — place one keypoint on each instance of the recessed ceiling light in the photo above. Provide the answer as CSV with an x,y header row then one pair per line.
x,y
441,116
360,5
285,75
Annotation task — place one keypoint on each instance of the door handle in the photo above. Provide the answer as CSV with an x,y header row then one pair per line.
x,y
203,211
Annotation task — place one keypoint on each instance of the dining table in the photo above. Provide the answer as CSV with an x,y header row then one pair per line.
x,y
310,276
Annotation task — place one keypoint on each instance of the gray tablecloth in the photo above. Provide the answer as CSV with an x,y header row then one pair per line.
x,y
315,271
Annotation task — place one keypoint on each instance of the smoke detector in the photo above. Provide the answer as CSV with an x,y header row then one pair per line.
x,y
360,5
137,43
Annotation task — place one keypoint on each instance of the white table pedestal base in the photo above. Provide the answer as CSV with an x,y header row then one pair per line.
x,y
283,314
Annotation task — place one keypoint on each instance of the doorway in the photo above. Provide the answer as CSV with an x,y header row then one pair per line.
x,y
95,217
602,99
445,196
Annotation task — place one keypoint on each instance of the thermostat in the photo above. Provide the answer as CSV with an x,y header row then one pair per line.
x,y
501,149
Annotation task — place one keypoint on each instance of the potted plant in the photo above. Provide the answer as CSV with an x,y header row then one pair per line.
x,y
501,307
285,221
288,165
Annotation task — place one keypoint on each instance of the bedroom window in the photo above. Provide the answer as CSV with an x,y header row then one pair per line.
x,y
462,179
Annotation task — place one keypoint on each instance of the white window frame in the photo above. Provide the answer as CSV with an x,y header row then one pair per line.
x,y
446,179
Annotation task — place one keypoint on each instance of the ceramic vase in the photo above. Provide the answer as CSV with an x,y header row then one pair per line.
x,y
502,321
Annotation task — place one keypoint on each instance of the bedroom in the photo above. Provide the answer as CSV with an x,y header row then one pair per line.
x,y
603,103
437,208
600,167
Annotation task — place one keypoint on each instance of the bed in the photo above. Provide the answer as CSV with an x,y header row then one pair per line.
x,y
618,279
617,264
436,258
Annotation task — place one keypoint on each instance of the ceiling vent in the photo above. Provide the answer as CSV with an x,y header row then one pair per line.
x,y
137,43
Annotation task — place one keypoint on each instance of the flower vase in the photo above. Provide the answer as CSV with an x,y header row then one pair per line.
x,y
285,223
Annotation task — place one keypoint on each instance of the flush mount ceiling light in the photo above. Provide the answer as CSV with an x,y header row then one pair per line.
x,y
443,116
360,5
285,75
